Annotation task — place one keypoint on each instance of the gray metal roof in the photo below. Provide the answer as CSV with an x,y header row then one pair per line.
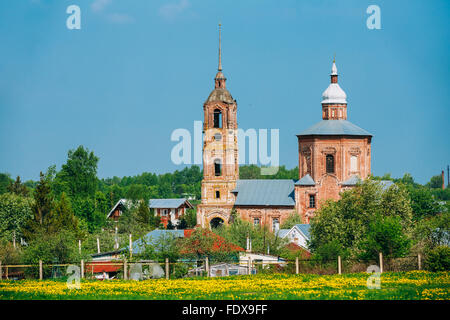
x,y
335,127
168,203
283,232
352,181
265,192
153,237
306,181
304,228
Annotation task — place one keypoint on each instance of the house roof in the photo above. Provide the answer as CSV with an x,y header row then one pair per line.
x,y
306,181
262,192
304,228
335,127
121,202
153,237
168,203
283,232
352,181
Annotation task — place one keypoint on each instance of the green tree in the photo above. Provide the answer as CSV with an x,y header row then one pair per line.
x,y
15,211
79,173
422,203
291,221
385,234
191,218
435,182
41,210
63,216
143,213
5,181
18,188
346,221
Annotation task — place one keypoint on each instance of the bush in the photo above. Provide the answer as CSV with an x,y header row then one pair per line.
x,y
438,259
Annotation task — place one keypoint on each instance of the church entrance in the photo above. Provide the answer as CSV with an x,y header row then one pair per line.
x,y
216,222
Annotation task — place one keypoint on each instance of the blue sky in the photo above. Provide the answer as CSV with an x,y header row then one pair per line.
x,y
139,69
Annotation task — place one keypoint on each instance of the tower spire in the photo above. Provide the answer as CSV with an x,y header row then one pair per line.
x,y
220,48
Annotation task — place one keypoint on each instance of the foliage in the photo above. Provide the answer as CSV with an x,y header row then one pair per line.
x,y
254,172
18,188
432,232
166,246
262,239
79,173
5,181
42,207
9,254
63,216
438,259
191,218
385,234
423,203
346,221
50,248
291,221
15,211
435,182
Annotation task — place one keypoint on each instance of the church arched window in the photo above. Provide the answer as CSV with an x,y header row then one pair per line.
x,y
330,163
217,118
217,167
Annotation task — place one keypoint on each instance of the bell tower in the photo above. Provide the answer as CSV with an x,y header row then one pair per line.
x,y
220,152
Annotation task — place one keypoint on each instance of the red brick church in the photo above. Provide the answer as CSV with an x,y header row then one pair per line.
x,y
333,155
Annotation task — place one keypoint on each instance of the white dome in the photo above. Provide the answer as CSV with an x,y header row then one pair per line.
x,y
334,94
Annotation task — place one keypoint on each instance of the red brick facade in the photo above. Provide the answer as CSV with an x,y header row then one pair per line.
x,y
329,160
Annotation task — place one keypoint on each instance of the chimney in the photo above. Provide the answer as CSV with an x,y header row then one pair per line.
x,y
443,180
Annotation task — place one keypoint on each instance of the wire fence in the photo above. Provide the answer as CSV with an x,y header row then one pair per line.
x,y
152,269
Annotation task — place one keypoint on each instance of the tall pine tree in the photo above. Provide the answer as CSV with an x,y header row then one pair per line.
x,y
41,209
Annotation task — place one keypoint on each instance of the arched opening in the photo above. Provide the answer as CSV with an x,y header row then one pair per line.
x,y
217,118
330,163
216,222
217,167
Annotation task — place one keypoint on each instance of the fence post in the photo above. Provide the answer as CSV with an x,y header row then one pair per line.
x,y
381,262
296,265
125,271
131,247
207,266
41,276
339,265
419,261
1,271
82,268
167,268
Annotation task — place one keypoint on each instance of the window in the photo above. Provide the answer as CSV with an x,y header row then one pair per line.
x,y
164,212
217,194
353,163
217,167
330,163
275,224
256,221
217,118
312,201
217,136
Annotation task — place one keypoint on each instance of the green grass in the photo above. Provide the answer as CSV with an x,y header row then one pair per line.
x,y
393,286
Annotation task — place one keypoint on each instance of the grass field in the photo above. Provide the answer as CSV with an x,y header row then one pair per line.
x,y
394,286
